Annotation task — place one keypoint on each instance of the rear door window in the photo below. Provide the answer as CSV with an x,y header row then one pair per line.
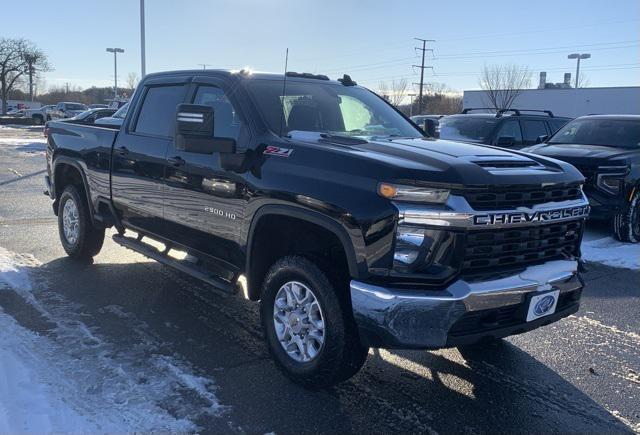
x,y
157,114
533,129
510,128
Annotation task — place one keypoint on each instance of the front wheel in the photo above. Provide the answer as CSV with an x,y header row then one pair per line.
x,y
308,327
626,225
80,238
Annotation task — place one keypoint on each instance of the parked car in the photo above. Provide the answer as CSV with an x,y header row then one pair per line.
x,y
429,123
513,129
65,110
331,209
606,149
91,116
98,106
39,116
116,119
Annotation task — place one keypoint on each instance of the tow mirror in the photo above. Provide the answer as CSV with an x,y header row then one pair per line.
x,y
506,141
194,131
430,127
542,138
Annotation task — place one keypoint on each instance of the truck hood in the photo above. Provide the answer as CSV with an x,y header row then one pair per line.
x,y
441,161
583,154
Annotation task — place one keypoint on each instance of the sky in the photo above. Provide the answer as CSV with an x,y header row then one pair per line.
x,y
370,40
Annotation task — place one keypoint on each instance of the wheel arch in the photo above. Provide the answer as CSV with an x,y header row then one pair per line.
x,y
65,168
305,216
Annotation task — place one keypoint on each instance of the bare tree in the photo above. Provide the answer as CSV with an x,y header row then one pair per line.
x,y
503,84
383,90
17,58
132,81
398,91
583,81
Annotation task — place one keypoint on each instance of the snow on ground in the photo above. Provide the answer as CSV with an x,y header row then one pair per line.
x,y
66,377
611,252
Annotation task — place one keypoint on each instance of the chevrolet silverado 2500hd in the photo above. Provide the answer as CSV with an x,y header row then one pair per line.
x,y
326,204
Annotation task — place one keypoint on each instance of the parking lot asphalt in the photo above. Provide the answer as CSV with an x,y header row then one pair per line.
x,y
119,327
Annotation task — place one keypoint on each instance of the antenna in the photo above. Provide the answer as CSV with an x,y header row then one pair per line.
x,y
284,89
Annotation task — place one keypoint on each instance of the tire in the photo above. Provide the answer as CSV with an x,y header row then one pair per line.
x,y
84,241
340,356
626,225
37,120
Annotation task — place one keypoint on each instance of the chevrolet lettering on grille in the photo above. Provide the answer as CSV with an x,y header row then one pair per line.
x,y
526,217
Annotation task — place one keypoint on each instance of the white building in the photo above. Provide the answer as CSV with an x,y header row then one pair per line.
x,y
569,102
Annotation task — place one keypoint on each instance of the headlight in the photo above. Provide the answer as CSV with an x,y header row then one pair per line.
x,y
425,195
611,181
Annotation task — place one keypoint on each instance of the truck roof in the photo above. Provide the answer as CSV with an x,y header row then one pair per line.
x,y
247,75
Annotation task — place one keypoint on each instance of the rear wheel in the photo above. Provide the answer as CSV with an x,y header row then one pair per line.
x,y
308,328
80,238
37,120
626,225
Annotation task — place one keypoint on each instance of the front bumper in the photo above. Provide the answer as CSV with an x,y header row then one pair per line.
x,y
401,318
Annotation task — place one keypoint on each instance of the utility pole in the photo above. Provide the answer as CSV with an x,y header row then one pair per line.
x,y
67,85
115,52
143,60
204,65
422,68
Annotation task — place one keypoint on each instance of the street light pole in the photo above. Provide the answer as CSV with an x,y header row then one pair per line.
x,y
578,56
115,52
411,104
143,60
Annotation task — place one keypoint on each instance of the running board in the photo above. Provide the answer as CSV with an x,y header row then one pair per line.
x,y
162,257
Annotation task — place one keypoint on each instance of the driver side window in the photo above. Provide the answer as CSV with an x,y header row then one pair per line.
x,y
510,128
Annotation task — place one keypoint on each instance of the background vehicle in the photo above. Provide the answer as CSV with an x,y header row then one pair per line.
x,y
38,116
606,149
116,119
323,202
65,110
91,116
98,106
506,128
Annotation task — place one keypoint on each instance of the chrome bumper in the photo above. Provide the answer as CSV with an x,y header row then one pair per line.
x,y
401,318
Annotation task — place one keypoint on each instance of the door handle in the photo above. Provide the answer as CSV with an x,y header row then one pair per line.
x,y
176,161
123,151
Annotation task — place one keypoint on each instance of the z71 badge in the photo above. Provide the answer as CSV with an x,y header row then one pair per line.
x,y
277,151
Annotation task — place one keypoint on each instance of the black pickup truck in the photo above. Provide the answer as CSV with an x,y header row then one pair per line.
x,y
325,203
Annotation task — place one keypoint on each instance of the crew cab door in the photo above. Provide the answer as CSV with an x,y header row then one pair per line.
x,y
205,204
139,154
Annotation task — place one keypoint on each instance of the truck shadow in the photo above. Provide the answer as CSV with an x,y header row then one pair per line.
x,y
487,388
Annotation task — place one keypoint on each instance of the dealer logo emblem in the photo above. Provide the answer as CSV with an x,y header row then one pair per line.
x,y
544,305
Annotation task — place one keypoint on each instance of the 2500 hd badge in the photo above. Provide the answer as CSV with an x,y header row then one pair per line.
x,y
525,217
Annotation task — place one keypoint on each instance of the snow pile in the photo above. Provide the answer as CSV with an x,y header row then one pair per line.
x,y
611,252
68,378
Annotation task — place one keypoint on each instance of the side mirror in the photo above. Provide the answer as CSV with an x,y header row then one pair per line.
x,y
430,127
542,139
506,141
194,131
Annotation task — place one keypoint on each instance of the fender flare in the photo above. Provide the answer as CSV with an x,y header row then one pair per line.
x,y
74,163
355,268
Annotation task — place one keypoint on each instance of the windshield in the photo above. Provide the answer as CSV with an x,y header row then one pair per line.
x,y
623,133
329,108
466,128
76,107
82,115
121,112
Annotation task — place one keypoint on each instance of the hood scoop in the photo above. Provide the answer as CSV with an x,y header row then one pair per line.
x,y
503,162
